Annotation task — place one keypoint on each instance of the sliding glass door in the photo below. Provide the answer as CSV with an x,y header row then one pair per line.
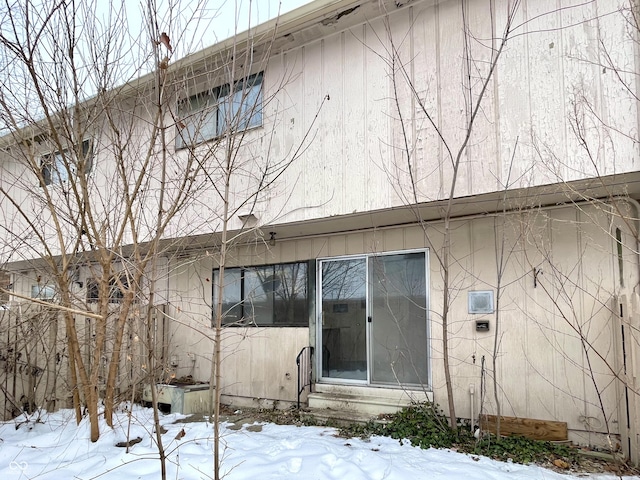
x,y
373,319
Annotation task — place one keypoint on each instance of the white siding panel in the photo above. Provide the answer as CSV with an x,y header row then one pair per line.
x,y
513,98
546,92
333,79
535,347
304,249
568,299
479,170
618,105
376,120
453,113
261,362
596,320
582,91
287,113
319,187
336,245
428,147
356,159
400,166
355,244
320,247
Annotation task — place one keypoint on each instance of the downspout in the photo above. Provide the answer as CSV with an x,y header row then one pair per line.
x,y
472,392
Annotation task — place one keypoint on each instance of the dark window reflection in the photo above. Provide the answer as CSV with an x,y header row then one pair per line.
x,y
265,295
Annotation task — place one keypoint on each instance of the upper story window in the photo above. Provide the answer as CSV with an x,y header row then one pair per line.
x,y
58,167
116,293
43,292
211,113
270,295
5,284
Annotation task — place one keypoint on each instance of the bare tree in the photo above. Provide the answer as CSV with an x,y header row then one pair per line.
x,y
116,154
260,173
602,144
415,115
91,179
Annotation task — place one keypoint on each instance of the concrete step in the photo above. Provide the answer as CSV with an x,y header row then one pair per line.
x,y
367,401
338,417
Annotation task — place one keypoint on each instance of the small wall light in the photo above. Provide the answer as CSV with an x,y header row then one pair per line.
x,y
272,239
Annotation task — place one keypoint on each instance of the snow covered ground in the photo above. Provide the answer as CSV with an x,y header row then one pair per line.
x,y
58,449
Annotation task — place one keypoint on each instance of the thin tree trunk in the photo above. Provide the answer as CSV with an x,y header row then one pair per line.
x,y
218,331
445,328
114,364
154,399
75,394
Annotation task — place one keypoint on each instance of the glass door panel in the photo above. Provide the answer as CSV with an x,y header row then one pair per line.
x,y
399,319
343,294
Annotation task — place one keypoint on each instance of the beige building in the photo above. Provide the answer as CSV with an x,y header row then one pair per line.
x,y
431,173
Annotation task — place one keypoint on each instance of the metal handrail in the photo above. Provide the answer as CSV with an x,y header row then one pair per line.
x,y
305,370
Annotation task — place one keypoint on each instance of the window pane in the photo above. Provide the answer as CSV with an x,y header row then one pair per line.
x,y
399,328
259,284
242,109
290,295
87,155
59,167
93,292
231,295
209,114
116,294
53,169
252,108
43,292
266,295
344,318
60,171
46,172
198,117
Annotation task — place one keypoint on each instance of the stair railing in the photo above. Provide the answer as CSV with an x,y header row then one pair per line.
x,y
304,361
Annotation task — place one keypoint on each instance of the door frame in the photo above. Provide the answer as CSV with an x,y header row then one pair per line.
x,y
318,320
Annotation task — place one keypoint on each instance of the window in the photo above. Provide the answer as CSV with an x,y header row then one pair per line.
x,y
115,293
43,292
5,283
211,113
59,167
620,256
271,295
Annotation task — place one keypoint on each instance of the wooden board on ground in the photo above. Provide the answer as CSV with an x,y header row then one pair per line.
x,y
526,427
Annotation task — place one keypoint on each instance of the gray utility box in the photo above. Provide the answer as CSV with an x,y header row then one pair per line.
x,y
181,398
